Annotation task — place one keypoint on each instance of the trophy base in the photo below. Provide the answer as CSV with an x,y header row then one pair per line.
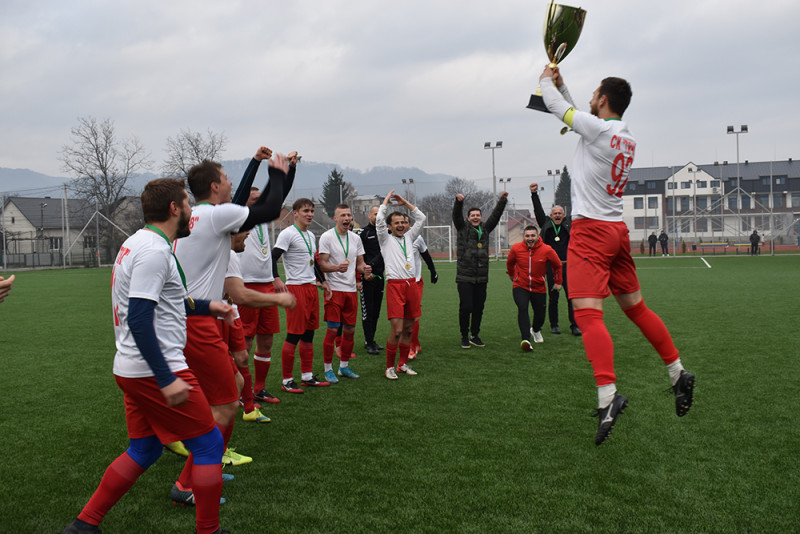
x,y
537,104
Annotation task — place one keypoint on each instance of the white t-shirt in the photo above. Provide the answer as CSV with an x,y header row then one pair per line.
x,y
299,249
234,271
145,269
419,248
335,245
602,160
398,254
257,256
205,252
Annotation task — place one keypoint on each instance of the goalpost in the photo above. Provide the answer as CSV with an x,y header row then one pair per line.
x,y
439,239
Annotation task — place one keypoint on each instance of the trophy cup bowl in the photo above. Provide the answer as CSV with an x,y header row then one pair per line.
x,y
562,28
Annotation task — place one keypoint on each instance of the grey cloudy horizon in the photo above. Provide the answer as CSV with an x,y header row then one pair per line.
x,y
416,84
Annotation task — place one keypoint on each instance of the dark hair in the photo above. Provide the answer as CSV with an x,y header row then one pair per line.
x,y
474,208
618,92
201,176
341,207
157,197
392,215
531,227
301,203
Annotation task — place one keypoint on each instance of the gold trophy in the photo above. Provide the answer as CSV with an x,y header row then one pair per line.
x,y
562,27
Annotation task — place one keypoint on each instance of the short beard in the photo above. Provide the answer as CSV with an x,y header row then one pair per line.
x,y
183,226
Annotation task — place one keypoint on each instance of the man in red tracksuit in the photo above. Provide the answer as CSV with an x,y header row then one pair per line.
x,y
527,267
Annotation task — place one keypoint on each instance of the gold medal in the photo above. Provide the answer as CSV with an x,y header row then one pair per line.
x,y
346,262
480,245
408,266
558,238
190,300
264,251
311,262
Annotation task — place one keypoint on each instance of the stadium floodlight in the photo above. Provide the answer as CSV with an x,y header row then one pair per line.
x,y
742,129
488,145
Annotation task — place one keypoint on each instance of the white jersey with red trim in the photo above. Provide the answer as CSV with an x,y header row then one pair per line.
x,y
204,254
145,269
298,255
398,254
335,248
257,256
419,248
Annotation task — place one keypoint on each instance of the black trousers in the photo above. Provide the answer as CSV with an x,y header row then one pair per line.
x,y
471,299
652,249
664,248
524,298
552,309
371,300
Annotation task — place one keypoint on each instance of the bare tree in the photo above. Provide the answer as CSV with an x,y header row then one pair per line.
x,y
189,148
102,165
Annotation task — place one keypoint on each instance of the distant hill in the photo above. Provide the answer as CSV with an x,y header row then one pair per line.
x,y
310,178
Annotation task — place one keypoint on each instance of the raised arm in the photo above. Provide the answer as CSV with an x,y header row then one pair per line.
x,y
243,191
538,211
497,212
458,212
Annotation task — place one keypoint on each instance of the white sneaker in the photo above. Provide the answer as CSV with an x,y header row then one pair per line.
x,y
537,337
390,374
407,370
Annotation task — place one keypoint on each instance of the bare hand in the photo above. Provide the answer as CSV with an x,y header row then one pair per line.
x,y
556,287
5,287
293,158
399,200
176,393
367,270
223,310
548,73
342,267
388,197
504,194
460,197
534,187
286,300
328,293
263,153
279,286
280,162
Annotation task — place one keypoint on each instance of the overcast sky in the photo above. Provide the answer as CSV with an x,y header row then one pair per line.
x,y
414,83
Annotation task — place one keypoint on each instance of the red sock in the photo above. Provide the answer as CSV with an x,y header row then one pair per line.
x,y
415,334
247,390
287,359
391,353
598,344
328,344
261,364
306,357
338,341
185,479
403,350
207,490
347,345
654,330
226,431
117,480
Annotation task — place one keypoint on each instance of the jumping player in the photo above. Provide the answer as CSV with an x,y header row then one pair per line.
x,y
163,399
297,246
599,251
341,255
402,295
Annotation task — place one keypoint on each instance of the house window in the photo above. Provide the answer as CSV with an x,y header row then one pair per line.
x,y
745,202
702,225
780,180
671,185
652,202
702,203
90,241
653,222
686,185
702,183
638,203
638,223
684,203
651,185
732,202
715,183
765,180
55,243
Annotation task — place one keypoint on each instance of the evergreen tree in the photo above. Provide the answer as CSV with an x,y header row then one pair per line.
x,y
563,197
336,190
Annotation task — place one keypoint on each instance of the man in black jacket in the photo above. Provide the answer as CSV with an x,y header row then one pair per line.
x,y
472,269
555,232
372,289
653,241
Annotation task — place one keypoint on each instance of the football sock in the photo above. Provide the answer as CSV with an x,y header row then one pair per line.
x,y
675,369
328,367
605,394
343,364
117,480
185,478
287,360
247,390
327,346
403,350
347,345
415,334
654,330
207,491
306,350
391,354
261,364
598,344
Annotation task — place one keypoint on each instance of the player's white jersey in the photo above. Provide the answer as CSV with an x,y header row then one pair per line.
x,y
205,252
257,256
335,246
298,257
234,271
145,269
398,254
419,248
605,144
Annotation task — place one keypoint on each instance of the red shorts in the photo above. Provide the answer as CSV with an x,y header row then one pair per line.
x,y
420,288
207,355
260,320
233,335
342,308
305,315
599,258
403,299
147,413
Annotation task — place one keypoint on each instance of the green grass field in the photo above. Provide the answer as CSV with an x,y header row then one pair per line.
x,y
483,440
